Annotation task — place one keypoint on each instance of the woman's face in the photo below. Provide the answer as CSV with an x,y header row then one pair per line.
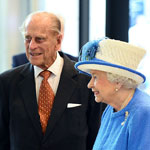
x,y
102,88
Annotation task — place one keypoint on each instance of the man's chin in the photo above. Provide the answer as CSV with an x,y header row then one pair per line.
x,y
36,63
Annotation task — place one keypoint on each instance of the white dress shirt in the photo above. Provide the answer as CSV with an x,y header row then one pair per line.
x,y
55,69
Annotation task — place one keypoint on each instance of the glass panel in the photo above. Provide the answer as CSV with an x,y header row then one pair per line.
x,y
11,41
139,31
69,10
97,19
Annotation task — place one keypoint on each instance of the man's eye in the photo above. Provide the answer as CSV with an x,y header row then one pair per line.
x,y
39,39
27,38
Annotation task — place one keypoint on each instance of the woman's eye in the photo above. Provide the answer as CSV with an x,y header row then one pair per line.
x,y
94,77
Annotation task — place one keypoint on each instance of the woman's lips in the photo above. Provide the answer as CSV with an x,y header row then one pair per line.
x,y
95,93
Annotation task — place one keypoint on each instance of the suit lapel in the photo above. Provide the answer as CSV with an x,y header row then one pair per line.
x,y
27,89
62,97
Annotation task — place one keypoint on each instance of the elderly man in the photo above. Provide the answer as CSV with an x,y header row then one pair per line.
x,y
45,104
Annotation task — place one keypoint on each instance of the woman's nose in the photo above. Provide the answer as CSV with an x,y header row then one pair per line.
x,y
90,84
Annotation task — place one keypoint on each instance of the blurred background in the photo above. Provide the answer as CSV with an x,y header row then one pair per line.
x,y
127,20
13,13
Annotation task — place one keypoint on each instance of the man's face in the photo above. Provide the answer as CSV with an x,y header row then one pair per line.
x,y
41,43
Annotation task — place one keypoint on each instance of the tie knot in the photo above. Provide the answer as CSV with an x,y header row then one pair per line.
x,y
45,74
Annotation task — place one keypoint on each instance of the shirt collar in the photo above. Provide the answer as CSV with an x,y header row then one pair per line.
x,y
52,68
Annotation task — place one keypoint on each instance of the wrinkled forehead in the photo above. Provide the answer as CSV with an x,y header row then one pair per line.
x,y
38,21
36,27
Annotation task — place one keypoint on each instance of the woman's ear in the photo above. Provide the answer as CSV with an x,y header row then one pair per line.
x,y
118,86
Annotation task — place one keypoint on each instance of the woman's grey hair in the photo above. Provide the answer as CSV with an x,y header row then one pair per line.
x,y
126,82
55,21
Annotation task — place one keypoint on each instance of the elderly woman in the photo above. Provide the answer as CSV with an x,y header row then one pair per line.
x,y
113,64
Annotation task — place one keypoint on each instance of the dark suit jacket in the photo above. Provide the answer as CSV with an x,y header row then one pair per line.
x,y
68,128
21,59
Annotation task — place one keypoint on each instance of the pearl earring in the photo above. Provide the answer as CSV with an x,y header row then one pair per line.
x,y
116,90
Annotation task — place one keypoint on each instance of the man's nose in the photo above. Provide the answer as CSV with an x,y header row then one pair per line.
x,y
33,44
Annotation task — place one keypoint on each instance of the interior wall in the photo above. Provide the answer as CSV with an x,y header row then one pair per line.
x,y
12,15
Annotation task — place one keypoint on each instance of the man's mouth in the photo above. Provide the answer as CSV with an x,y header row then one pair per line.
x,y
35,54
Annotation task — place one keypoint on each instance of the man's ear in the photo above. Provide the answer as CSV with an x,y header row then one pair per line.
x,y
58,41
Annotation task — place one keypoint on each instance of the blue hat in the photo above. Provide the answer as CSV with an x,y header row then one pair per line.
x,y
112,56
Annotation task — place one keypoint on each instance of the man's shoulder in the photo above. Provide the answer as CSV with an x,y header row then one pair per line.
x,y
69,68
14,72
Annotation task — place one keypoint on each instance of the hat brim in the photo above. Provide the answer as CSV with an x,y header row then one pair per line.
x,y
96,64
